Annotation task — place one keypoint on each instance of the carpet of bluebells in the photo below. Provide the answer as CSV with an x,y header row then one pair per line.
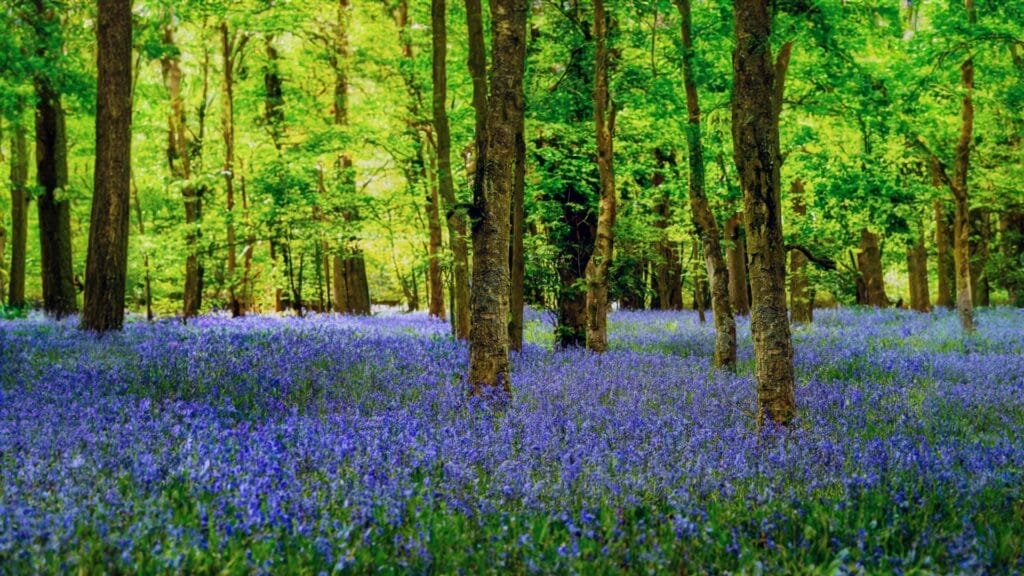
x,y
349,445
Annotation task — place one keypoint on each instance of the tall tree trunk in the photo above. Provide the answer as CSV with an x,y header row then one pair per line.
x,y
944,248
231,47
517,259
425,155
488,337
981,237
1011,238
668,274
435,280
699,281
19,214
106,267
917,271
869,263
148,279
455,219
59,298
703,218
478,72
351,287
179,158
600,260
736,256
801,297
273,96
958,185
756,102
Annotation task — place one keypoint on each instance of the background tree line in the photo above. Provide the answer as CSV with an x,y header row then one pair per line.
x,y
329,155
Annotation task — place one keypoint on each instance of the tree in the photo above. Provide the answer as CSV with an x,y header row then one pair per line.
x,y
757,92
19,212
107,262
604,123
488,333
455,218
59,297
351,290
180,152
957,184
703,218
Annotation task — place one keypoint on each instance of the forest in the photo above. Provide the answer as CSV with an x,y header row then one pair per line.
x,y
547,286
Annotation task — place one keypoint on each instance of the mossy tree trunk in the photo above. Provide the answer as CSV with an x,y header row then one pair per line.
x,y
455,219
489,307
703,218
756,103
604,123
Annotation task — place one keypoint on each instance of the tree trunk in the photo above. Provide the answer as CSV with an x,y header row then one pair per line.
x,y
59,298
736,256
917,270
699,282
148,286
756,102
434,279
517,261
106,266
600,260
19,214
869,263
351,288
1011,240
455,219
488,337
801,297
703,218
944,248
668,275
981,236
273,96
958,185
478,72
180,163
231,47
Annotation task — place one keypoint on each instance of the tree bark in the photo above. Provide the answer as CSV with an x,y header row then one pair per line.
x,y
455,219
231,46
981,236
478,72
517,260
1011,241
736,255
801,297
755,127
703,218
958,185
600,260
435,281
351,288
917,268
488,337
871,289
19,214
944,249
668,275
107,262
59,298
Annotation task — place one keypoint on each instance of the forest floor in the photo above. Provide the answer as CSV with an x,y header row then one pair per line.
x,y
335,444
